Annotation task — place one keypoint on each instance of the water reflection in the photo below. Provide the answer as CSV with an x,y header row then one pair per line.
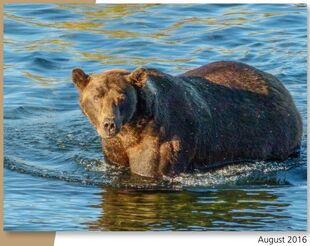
x,y
115,11
229,209
108,59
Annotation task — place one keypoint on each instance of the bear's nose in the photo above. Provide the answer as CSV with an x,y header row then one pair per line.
x,y
109,126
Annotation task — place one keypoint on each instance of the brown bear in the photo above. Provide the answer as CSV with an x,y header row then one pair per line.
x,y
157,124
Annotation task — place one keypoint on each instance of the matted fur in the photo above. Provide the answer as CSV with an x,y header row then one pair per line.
x,y
219,113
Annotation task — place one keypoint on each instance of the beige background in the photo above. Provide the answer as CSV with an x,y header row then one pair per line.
x,y
19,238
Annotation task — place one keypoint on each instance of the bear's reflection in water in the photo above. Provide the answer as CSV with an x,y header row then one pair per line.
x,y
229,209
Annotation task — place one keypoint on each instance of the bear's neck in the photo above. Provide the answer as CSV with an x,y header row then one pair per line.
x,y
143,107
132,133
152,106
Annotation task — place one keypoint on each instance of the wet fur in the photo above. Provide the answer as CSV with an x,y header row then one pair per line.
x,y
218,113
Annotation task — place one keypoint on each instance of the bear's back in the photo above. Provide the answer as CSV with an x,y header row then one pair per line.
x,y
235,75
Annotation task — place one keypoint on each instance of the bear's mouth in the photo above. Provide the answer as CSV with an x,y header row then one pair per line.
x,y
109,134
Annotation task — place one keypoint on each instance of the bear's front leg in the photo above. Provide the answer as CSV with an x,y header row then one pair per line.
x,y
172,161
144,157
150,158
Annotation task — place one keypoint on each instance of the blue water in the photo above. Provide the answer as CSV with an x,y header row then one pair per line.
x,y
55,177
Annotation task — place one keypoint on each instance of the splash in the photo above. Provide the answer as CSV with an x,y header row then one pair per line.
x,y
255,173
99,173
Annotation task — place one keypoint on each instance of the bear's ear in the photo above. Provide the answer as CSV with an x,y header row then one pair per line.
x,y
79,78
138,77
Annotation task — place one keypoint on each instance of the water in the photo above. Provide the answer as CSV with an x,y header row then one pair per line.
x,y
55,177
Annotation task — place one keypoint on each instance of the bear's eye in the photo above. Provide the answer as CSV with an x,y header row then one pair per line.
x,y
121,98
96,98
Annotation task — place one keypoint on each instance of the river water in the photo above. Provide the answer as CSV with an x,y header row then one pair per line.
x,y
54,174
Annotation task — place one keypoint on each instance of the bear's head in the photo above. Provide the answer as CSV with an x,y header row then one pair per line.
x,y
109,100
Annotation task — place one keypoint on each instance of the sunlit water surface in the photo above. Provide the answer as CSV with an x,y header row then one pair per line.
x,y
55,176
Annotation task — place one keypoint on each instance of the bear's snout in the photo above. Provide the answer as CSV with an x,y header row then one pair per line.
x,y
109,127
